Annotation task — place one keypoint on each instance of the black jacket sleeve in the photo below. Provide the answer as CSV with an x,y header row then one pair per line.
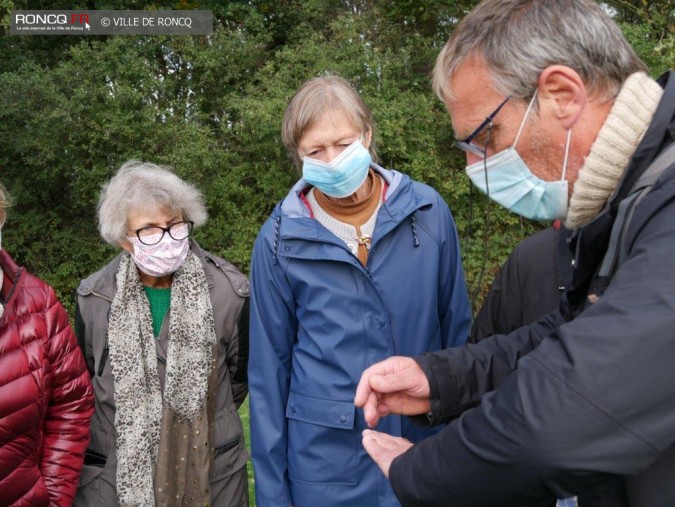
x,y
528,285
595,397
459,377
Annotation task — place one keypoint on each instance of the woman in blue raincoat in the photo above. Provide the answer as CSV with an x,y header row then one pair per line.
x,y
356,264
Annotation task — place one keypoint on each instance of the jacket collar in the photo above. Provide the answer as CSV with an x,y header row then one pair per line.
x,y
8,265
592,238
401,201
659,134
12,270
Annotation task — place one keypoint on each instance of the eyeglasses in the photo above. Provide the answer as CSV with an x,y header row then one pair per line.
x,y
154,234
467,144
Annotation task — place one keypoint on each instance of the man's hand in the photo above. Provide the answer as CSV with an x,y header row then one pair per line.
x,y
394,386
384,448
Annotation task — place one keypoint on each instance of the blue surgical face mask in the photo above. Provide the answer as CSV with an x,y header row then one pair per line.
x,y
510,182
343,175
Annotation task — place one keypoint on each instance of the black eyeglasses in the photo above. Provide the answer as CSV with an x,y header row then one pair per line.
x,y
467,143
154,234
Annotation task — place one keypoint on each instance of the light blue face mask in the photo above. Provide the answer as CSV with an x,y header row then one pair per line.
x,y
343,175
510,182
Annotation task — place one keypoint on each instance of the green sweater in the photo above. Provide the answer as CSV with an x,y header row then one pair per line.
x,y
160,300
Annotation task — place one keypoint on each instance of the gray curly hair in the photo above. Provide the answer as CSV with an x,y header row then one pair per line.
x,y
518,39
5,200
144,186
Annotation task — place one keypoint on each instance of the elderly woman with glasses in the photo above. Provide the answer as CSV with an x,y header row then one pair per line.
x,y
164,332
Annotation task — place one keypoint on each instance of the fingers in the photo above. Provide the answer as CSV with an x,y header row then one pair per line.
x,y
383,448
364,388
368,398
408,378
403,404
395,385
370,410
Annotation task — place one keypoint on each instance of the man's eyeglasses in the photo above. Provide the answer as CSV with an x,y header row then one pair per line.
x,y
469,144
154,234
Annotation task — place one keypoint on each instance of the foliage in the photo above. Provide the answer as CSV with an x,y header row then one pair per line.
x,y
73,109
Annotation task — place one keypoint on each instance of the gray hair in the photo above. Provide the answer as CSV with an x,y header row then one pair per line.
x,y
143,186
518,39
313,99
5,202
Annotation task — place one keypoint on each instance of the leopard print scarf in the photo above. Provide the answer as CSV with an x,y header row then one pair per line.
x,y
142,420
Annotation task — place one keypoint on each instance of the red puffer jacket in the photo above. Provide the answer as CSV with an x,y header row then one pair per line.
x,y
46,399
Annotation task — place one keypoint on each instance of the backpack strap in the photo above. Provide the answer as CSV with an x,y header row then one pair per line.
x,y
617,250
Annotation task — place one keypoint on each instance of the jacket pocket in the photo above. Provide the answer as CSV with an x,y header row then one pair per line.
x,y
229,483
230,453
322,443
95,459
97,479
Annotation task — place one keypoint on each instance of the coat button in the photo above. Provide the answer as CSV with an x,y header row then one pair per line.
x,y
343,418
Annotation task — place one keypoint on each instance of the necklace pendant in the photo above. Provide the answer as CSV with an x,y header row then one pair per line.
x,y
363,240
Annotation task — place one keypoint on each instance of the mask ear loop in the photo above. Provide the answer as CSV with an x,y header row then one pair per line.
x,y
527,113
567,152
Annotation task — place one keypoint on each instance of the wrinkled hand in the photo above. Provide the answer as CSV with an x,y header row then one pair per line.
x,y
384,448
394,386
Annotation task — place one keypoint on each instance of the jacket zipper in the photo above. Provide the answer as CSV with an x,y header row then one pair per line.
x,y
227,445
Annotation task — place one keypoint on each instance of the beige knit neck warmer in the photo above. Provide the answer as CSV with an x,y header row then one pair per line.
x,y
617,140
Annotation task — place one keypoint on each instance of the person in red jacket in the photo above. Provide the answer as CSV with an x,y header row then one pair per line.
x,y
46,399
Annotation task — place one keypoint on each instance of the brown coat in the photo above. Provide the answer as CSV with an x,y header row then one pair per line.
x,y
229,291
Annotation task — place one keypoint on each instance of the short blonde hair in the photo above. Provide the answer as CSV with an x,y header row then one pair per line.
x,y
312,100
145,186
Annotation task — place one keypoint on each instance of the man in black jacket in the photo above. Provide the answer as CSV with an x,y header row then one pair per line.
x,y
550,101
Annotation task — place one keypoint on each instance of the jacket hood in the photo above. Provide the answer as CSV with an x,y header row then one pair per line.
x,y
401,202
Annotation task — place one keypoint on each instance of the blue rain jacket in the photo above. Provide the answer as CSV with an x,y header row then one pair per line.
x,y
319,318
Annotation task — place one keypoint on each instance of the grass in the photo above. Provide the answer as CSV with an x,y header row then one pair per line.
x,y
246,421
